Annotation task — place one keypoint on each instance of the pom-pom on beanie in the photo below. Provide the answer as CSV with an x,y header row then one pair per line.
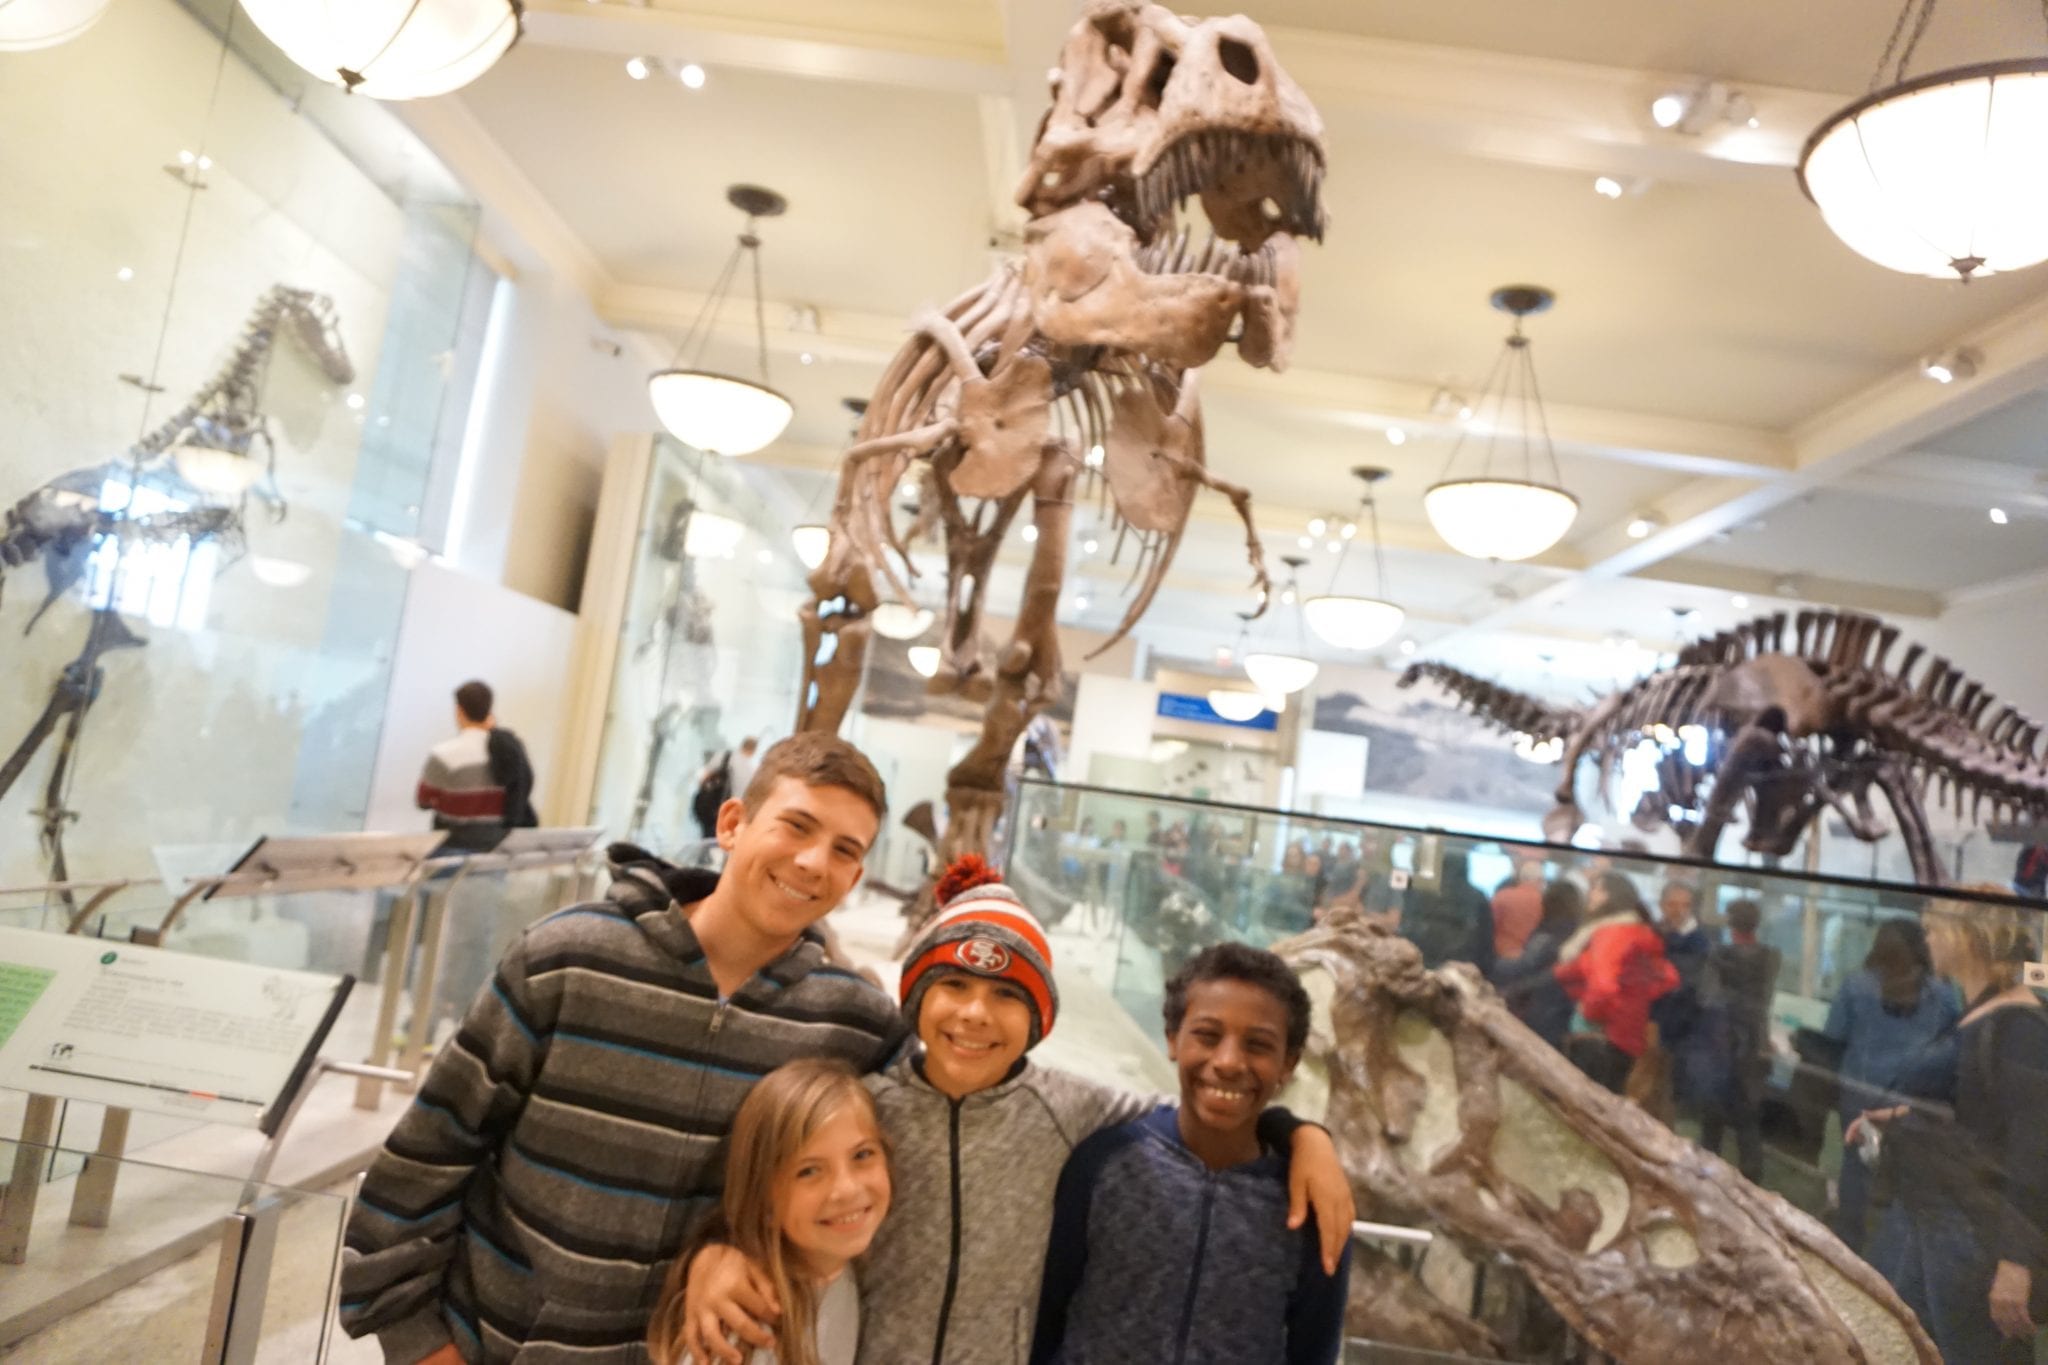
x,y
982,928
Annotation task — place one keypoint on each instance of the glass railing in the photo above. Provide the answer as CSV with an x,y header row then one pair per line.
x,y
1131,885
189,1267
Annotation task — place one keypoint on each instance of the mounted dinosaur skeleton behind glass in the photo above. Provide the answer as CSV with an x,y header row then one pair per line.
x,y
1795,723
1094,338
169,488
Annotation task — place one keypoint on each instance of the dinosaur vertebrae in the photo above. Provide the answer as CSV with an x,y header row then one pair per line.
x,y
231,397
1949,731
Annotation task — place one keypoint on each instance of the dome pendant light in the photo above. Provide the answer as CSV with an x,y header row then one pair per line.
x,y
26,25
1494,516
723,413
1357,622
1277,673
390,49
1939,174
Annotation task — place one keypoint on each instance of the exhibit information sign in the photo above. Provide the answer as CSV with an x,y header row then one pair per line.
x,y
143,1028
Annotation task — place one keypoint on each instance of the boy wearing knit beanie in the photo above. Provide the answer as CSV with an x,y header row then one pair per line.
x,y
979,1134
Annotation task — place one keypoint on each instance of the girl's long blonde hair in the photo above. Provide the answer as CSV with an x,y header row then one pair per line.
x,y
783,1111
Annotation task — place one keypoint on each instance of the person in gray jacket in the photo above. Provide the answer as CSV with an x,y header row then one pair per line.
x,y
979,1135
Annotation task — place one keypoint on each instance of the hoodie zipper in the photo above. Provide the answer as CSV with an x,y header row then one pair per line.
x,y
953,1263
1187,1310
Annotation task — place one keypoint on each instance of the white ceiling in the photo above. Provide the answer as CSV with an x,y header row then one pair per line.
x,y
1715,357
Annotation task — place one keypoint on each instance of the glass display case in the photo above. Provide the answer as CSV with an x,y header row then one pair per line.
x,y
241,315
1131,885
709,649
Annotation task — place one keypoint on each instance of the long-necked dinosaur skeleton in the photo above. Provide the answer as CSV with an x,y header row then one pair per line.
x,y
1817,719
1094,339
63,522
1447,1111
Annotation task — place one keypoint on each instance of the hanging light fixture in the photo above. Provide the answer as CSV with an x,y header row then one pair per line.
x,y
717,412
390,49
1274,672
1938,174
1235,704
811,541
26,25
1492,516
1357,622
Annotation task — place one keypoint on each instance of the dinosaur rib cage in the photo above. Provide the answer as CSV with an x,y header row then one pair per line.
x,y
1944,731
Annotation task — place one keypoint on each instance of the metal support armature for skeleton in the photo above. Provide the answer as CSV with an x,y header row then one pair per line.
x,y
1794,726
1447,1111
168,488
1093,339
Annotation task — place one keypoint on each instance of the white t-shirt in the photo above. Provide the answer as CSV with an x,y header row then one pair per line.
x,y
838,1325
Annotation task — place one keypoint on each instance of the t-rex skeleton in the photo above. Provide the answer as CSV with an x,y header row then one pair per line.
x,y
1793,726
69,517
1447,1110
1093,339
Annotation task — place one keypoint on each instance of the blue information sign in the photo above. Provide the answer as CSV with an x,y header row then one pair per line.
x,y
1184,706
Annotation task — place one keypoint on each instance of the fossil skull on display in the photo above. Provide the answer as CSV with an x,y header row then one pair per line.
x,y
1149,111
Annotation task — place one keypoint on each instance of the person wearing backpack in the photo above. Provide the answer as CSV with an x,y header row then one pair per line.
x,y
1962,1169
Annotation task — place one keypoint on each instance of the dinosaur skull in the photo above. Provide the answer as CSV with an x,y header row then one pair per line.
x,y
1149,110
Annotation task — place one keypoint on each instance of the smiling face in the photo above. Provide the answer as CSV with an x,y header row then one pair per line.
x,y
796,856
1231,1049
834,1194
974,1028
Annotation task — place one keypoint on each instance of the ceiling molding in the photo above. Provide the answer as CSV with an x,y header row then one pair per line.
x,y
777,37
1765,583
1543,112
513,206
1679,444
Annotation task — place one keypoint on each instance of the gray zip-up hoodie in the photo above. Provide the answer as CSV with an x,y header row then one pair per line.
x,y
953,1274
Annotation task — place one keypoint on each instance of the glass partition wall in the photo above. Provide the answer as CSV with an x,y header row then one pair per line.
x,y
1131,885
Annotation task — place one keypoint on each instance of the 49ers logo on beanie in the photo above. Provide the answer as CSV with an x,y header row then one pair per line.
x,y
984,955
982,928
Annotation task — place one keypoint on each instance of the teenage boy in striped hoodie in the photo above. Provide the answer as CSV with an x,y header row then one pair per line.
x,y
569,1138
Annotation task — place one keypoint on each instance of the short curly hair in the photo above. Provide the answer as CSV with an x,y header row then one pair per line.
x,y
1254,966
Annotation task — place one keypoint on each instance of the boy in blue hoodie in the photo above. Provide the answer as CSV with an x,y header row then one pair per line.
x,y
1168,1242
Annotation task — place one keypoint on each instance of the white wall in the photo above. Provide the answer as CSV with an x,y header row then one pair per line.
x,y
455,628
1111,716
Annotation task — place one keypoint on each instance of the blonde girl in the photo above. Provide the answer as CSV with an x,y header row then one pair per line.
x,y
807,1184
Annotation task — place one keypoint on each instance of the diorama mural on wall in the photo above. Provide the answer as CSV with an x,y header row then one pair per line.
x,y
1423,747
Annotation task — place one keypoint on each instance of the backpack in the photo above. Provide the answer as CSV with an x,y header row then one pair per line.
x,y
713,791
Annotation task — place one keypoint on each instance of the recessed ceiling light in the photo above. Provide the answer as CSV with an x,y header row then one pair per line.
x,y
639,68
691,75
806,358
355,402
125,274
1607,187
1090,546
1318,525
1407,646
1641,526
1669,110
1305,542
1739,602
1949,366
1998,516
1396,436
1080,602
1030,534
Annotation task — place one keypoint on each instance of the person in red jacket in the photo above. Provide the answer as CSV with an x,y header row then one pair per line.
x,y
1613,967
